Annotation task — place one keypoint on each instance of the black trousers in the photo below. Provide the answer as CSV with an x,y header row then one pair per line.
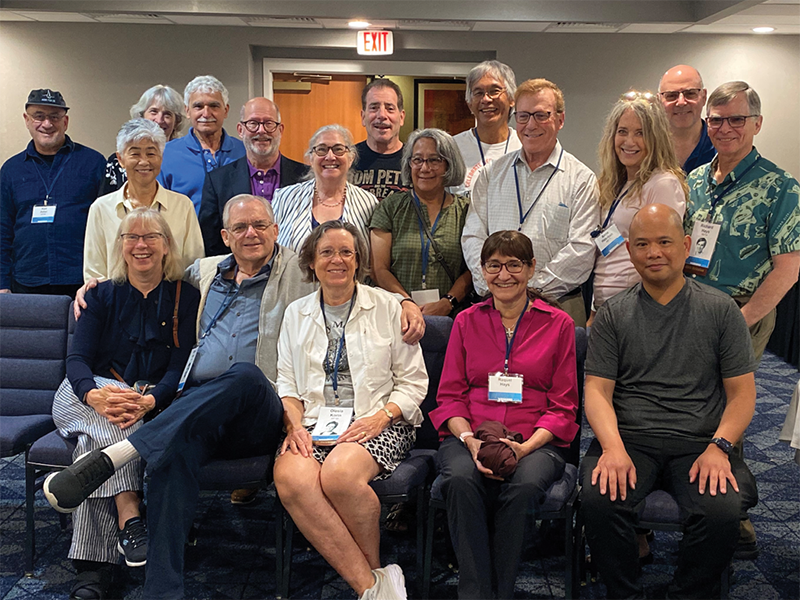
x,y
235,415
710,523
487,518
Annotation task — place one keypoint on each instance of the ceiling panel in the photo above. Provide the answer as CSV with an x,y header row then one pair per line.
x,y
56,17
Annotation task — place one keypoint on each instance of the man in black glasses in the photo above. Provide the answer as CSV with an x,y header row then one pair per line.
x,y
682,94
260,172
749,211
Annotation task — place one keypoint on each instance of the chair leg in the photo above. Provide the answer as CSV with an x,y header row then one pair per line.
x,y
30,528
428,552
418,580
569,558
288,525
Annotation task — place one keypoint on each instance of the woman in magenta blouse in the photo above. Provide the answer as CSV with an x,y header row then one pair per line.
x,y
510,359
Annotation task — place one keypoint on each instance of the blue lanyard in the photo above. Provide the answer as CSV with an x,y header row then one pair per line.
x,y
226,304
519,197
510,343
335,373
614,206
728,188
480,148
424,241
49,188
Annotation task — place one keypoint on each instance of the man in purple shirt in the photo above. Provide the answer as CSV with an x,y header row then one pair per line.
x,y
260,172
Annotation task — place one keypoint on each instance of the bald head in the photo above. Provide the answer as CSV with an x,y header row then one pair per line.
x,y
260,105
682,93
660,216
263,144
658,247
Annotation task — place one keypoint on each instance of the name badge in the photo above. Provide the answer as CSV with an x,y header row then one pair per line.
x,y
43,213
505,387
421,297
609,240
187,369
704,240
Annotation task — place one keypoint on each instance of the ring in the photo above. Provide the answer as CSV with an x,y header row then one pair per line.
x,y
363,434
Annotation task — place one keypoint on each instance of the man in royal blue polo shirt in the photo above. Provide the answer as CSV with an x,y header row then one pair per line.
x,y
45,193
206,147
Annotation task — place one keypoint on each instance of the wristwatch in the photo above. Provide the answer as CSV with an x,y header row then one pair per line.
x,y
723,444
452,299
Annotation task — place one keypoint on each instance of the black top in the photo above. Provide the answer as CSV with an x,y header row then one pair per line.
x,y
228,181
114,178
122,330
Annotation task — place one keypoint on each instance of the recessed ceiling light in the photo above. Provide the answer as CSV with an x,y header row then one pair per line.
x,y
358,24
763,29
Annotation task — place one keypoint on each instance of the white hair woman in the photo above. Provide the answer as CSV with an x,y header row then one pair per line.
x,y
140,147
160,104
123,364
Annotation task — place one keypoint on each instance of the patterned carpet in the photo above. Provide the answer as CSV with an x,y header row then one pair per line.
x,y
235,554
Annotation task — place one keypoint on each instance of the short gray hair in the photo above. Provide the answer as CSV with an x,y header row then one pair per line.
x,y
496,69
447,149
206,84
138,130
728,91
308,251
346,136
226,211
152,219
164,97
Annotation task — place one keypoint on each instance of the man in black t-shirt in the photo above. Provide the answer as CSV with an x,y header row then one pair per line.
x,y
378,167
669,387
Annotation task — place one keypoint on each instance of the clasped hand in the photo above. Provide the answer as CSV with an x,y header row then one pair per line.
x,y
122,407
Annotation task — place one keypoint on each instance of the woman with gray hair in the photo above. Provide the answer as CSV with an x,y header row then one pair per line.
x,y
125,361
342,347
490,97
160,104
140,147
327,195
416,235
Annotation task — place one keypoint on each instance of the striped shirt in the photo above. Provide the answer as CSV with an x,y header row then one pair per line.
x,y
559,223
292,206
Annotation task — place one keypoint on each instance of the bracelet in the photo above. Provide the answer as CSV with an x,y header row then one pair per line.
x,y
452,299
388,414
464,435
407,300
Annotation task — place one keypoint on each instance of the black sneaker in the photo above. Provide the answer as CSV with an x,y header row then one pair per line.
x,y
132,542
67,489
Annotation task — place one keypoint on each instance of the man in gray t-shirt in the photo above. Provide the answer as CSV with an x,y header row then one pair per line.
x,y
669,385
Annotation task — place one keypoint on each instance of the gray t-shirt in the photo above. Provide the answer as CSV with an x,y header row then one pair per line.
x,y
335,318
668,362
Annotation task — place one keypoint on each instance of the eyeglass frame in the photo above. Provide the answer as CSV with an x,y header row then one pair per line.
x,y
256,225
260,124
128,237
336,253
47,117
728,119
431,165
493,93
527,120
314,150
681,93
523,264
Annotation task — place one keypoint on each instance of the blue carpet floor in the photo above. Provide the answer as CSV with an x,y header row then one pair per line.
x,y
235,555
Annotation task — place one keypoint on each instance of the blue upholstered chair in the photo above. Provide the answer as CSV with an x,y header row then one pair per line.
x,y
559,502
410,477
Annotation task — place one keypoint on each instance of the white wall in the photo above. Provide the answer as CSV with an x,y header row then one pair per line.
x,y
102,69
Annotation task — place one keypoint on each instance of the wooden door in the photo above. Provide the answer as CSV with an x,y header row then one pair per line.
x,y
314,104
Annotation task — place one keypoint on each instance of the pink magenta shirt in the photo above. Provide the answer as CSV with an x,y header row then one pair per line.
x,y
543,352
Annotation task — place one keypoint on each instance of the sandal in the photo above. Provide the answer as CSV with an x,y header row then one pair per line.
x,y
91,585
399,518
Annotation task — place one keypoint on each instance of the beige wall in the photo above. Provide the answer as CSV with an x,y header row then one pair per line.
x,y
103,68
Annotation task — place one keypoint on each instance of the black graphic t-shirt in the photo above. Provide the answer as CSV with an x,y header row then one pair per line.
x,y
379,174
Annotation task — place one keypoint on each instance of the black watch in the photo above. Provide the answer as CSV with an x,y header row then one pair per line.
x,y
723,444
452,300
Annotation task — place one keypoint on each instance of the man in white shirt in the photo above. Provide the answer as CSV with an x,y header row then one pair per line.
x,y
490,97
546,193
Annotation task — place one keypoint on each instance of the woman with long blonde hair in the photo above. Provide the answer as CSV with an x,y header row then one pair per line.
x,y
637,167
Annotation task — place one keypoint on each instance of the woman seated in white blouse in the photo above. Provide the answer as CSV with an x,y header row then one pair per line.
x,y
342,347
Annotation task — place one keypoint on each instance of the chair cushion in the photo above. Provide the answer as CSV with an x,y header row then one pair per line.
x,y
409,474
231,474
555,498
52,450
18,432
660,507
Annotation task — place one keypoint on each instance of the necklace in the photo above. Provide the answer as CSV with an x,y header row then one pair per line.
x,y
328,204
509,332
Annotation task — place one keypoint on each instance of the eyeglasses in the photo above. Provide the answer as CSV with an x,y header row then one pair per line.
x,y
493,267
634,95
149,238
492,93
41,118
737,122
540,116
253,126
337,149
328,253
689,94
241,228
434,162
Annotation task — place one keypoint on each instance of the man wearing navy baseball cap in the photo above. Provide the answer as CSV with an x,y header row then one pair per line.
x,y
45,193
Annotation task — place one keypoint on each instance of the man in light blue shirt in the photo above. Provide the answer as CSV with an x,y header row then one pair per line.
x,y
206,146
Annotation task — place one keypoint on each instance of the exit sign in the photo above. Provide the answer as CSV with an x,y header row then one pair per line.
x,y
374,43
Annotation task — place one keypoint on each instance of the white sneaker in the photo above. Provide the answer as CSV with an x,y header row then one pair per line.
x,y
391,583
371,593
